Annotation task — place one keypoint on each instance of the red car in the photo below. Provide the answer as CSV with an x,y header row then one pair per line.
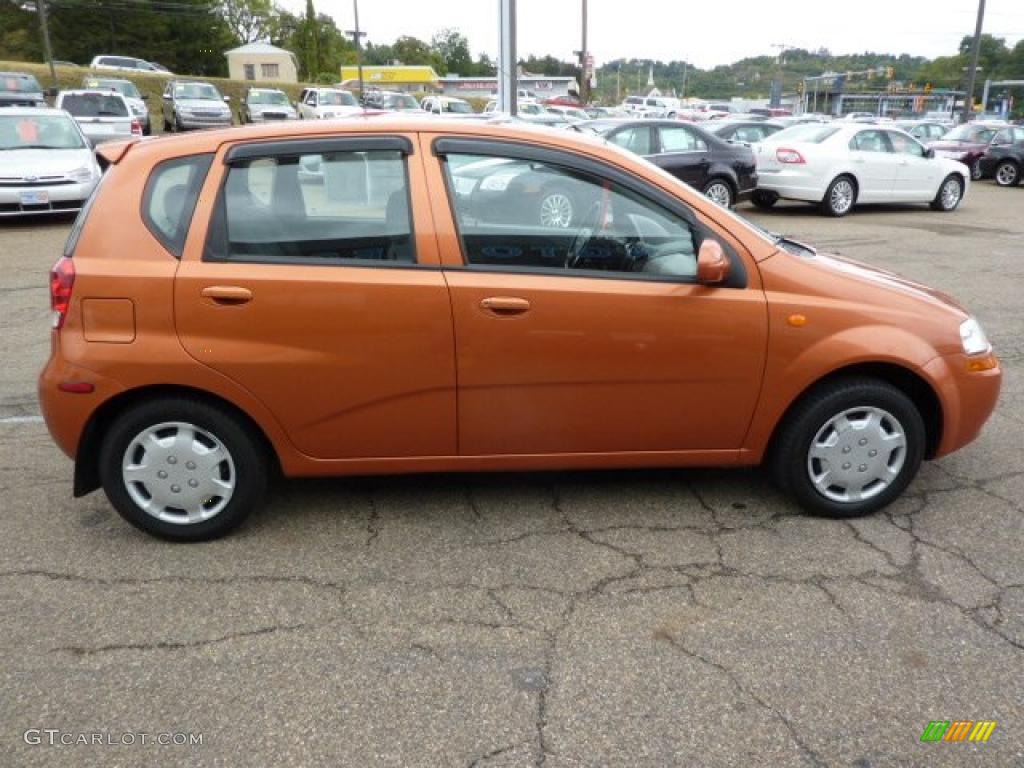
x,y
967,143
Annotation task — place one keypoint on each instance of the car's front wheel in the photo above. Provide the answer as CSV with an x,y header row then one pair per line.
x,y
849,447
1007,174
182,469
556,209
950,193
839,197
976,170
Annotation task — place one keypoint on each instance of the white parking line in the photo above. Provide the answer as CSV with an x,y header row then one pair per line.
x,y
22,420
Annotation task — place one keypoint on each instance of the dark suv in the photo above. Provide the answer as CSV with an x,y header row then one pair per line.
x,y
724,172
1004,159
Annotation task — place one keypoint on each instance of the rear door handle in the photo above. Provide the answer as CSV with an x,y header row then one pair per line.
x,y
505,305
227,294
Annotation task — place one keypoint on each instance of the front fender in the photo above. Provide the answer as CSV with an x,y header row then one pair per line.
x,y
796,363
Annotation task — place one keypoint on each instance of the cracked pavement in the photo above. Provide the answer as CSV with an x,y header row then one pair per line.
x,y
648,618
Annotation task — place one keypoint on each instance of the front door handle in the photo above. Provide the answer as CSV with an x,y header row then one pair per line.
x,y
227,294
505,305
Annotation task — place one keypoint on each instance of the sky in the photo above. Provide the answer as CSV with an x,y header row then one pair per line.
x,y
704,32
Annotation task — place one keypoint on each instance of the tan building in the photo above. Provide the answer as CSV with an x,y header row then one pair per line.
x,y
262,62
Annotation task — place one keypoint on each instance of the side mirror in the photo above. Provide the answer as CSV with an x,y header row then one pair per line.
x,y
167,97
929,153
227,98
712,263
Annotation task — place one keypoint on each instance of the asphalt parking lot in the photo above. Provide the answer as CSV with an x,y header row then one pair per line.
x,y
572,619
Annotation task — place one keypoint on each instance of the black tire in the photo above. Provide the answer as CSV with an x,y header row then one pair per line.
x,y
178,127
976,169
1007,174
833,203
242,444
722,190
167,126
790,455
147,129
764,199
940,203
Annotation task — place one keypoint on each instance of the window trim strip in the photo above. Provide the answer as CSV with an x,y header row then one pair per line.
x,y
316,146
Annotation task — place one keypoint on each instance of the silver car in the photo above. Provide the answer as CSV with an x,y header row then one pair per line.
x,y
136,101
46,164
262,104
188,105
102,115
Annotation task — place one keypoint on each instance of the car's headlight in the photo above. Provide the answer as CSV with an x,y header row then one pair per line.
x,y
81,175
973,338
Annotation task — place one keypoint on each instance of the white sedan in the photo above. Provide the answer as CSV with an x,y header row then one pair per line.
x,y
46,164
840,165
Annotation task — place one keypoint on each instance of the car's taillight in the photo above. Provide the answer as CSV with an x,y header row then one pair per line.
x,y
136,128
62,281
784,155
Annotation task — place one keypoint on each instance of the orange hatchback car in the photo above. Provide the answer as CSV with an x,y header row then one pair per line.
x,y
397,295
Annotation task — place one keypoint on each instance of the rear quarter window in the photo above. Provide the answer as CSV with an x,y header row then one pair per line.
x,y
170,197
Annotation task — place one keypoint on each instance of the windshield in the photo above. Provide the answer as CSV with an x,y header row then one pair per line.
x,y
38,132
268,97
812,133
458,106
94,105
199,91
124,87
971,134
337,99
20,83
400,101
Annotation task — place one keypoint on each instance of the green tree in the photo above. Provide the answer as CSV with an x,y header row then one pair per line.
x,y
248,20
452,49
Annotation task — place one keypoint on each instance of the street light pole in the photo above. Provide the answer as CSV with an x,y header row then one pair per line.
x,y
973,70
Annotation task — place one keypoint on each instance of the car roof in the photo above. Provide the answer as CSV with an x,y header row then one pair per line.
x,y
31,111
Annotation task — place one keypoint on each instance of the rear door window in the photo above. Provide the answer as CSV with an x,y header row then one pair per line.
x,y
94,105
322,208
170,199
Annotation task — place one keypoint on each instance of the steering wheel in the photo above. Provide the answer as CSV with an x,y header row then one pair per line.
x,y
583,236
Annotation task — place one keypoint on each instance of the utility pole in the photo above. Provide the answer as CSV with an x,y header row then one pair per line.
x,y
508,81
583,57
356,35
973,69
45,29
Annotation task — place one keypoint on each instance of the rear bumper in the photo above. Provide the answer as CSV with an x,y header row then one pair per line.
x,y
793,185
67,414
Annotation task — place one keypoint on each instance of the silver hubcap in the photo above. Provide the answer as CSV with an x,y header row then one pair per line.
x,y
950,194
1006,174
178,473
856,454
556,211
841,198
719,193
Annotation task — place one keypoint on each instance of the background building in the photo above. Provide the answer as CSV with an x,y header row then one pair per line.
x,y
541,86
262,62
392,78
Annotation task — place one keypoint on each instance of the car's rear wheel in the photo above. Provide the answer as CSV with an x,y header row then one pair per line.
x,y
849,447
182,469
764,199
839,197
950,193
1007,174
719,191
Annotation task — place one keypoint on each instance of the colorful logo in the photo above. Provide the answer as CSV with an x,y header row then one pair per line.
x,y
958,730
